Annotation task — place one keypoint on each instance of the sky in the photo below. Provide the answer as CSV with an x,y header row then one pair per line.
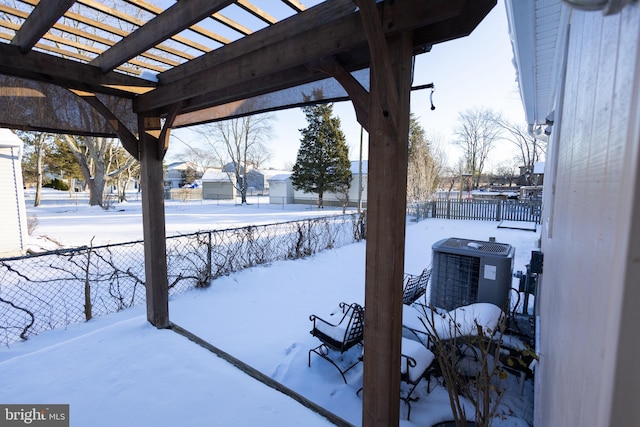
x,y
119,370
471,72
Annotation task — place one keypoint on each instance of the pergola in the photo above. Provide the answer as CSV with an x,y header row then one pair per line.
x,y
65,70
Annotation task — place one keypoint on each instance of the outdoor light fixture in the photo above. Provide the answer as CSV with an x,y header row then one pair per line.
x,y
433,88
427,86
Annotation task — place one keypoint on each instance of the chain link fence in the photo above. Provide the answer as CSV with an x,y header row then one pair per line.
x,y
57,288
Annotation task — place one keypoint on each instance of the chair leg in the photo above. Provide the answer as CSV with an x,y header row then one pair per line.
x,y
323,351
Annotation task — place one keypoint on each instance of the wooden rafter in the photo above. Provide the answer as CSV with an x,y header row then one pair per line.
x,y
57,40
43,16
319,15
81,34
297,41
114,30
236,26
295,5
150,8
93,4
175,19
256,11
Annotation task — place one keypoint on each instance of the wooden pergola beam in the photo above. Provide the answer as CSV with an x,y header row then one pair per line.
x,y
173,20
319,15
45,14
246,60
127,138
70,74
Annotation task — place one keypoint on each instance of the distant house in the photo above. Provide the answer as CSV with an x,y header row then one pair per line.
x,y
176,174
12,210
257,179
284,192
218,185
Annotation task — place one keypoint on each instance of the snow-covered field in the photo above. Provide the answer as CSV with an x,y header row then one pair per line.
x,y
119,370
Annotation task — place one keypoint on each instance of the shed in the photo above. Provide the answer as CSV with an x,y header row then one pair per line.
x,y
218,185
12,210
280,189
333,199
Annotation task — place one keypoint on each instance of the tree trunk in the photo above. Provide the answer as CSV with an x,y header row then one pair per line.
x,y
39,156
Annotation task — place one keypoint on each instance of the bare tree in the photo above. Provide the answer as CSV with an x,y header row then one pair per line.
x,y
426,162
201,158
476,132
505,172
37,142
531,148
90,151
241,142
121,168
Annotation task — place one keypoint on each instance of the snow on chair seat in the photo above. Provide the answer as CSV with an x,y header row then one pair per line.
x,y
342,330
415,365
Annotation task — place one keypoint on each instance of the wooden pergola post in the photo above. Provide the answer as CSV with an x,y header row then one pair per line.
x,y
386,216
152,149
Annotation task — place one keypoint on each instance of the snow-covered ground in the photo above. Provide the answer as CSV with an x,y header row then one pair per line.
x,y
119,370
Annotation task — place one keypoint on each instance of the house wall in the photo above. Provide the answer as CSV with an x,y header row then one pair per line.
x,y
218,190
589,300
332,198
13,226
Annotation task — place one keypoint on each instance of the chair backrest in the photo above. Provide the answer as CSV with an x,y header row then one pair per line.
x,y
355,326
344,334
415,286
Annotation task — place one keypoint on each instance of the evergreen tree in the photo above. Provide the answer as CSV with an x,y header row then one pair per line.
x,y
322,164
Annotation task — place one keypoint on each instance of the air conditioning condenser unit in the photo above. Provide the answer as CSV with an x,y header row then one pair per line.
x,y
468,271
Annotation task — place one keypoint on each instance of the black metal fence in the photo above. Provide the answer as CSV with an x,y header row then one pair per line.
x,y
57,288
487,210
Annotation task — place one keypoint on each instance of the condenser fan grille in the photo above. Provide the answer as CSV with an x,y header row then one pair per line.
x,y
474,245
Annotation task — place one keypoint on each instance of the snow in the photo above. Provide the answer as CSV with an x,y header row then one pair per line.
x,y
462,321
119,370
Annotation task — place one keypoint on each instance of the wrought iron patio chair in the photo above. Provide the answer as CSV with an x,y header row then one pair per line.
x,y
341,331
416,364
415,286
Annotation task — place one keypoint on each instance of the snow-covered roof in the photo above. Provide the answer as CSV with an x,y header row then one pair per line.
x,y
269,173
215,175
9,139
181,166
280,177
